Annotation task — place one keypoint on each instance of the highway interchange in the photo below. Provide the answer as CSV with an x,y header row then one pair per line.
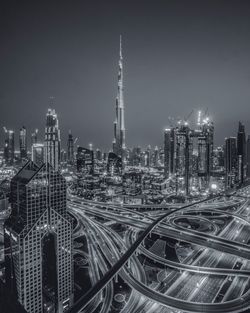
x,y
213,277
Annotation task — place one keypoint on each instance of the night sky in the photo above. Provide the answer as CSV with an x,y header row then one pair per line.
x,y
178,56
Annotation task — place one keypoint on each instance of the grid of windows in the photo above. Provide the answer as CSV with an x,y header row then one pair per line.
x,y
40,205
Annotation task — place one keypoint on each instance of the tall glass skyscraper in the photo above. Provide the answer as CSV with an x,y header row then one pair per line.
x,y
85,160
52,142
70,147
205,151
230,161
169,151
34,136
184,149
119,124
23,142
38,234
9,147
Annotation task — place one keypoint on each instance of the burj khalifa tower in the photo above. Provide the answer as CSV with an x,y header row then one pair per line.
x,y
119,125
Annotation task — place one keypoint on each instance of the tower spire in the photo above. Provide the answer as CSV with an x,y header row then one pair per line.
x,y
119,124
120,46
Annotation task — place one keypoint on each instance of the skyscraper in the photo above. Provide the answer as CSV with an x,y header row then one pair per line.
x,y
230,162
241,153
70,147
156,156
205,151
23,143
52,140
169,151
184,148
119,124
98,154
34,136
9,146
39,235
85,160
37,153
248,156
148,156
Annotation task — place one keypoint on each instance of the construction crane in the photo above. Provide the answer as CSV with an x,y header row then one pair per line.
x,y
189,115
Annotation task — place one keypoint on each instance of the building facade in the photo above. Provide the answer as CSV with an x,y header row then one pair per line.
x,y
39,235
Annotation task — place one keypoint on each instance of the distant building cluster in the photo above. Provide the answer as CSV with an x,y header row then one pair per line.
x,y
180,162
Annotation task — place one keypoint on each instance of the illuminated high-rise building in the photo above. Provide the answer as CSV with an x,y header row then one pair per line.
x,y
70,147
39,235
155,156
114,164
183,162
37,153
218,159
85,160
52,144
205,151
169,151
9,146
63,156
241,153
119,124
98,154
230,162
34,136
23,142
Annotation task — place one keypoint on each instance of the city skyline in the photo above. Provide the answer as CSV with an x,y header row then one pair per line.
x,y
125,156
168,72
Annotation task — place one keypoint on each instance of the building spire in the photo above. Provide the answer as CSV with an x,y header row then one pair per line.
x,y
119,124
121,47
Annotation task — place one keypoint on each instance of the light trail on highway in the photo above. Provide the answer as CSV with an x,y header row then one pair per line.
x,y
117,253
